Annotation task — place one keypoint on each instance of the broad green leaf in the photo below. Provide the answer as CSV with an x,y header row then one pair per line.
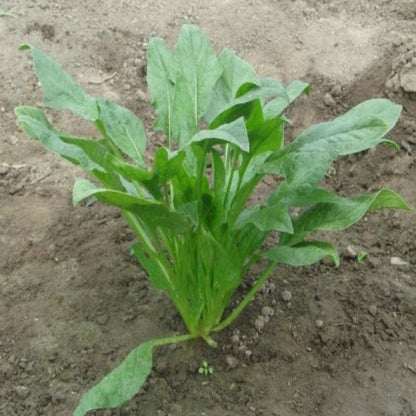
x,y
236,73
199,65
190,209
166,164
153,213
124,129
36,125
162,71
306,160
302,254
340,214
279,104
122,384
267,218
60,91
84,189
362,127
267,136
181,83
268,88
382,108
234,133
306,197
135,173
234,112
28,113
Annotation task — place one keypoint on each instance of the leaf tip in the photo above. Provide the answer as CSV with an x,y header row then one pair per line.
x,y
24,47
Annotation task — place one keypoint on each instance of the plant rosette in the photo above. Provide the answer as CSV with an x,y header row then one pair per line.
x,y
197,234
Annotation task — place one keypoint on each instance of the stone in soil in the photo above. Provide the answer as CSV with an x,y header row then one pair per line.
x,y
287,295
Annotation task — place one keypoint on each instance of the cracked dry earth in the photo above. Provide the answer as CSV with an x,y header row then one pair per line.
x,y
316,340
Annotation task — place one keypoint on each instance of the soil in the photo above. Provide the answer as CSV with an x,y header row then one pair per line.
x,y
317,340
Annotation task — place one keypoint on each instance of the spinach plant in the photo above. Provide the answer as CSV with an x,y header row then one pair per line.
x,y
198,232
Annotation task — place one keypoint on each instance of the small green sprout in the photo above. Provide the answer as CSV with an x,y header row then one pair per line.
x,y
361,256
6,13
205,369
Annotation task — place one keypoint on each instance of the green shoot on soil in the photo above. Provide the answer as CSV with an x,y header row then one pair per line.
x,y
198,233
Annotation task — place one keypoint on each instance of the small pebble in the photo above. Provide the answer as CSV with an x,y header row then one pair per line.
x,y
411,140
328,100
235,339
21,391
232,362
406,146
397,261
267,311
259,323
350,253
372,309
319,323
141,95
4,169
13,140
286,295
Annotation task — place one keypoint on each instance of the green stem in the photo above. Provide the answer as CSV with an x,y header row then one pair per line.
x,y
148,246
230,181
240,307
173,340
201,171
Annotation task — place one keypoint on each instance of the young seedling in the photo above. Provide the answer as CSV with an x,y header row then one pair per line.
x,y
362,256
6,13
197,233
205,369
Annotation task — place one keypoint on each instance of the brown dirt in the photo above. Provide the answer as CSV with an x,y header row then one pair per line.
x,y
72,303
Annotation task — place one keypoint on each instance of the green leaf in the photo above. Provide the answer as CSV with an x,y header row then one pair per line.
x,y
162,72
26,115
135,173
268,88
60,91
199,65
341,214
36,125
124,129
302,254
181,83
279,104
166,164
122,384
267,218
306,160
267,136
234,133
153,213
236,73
